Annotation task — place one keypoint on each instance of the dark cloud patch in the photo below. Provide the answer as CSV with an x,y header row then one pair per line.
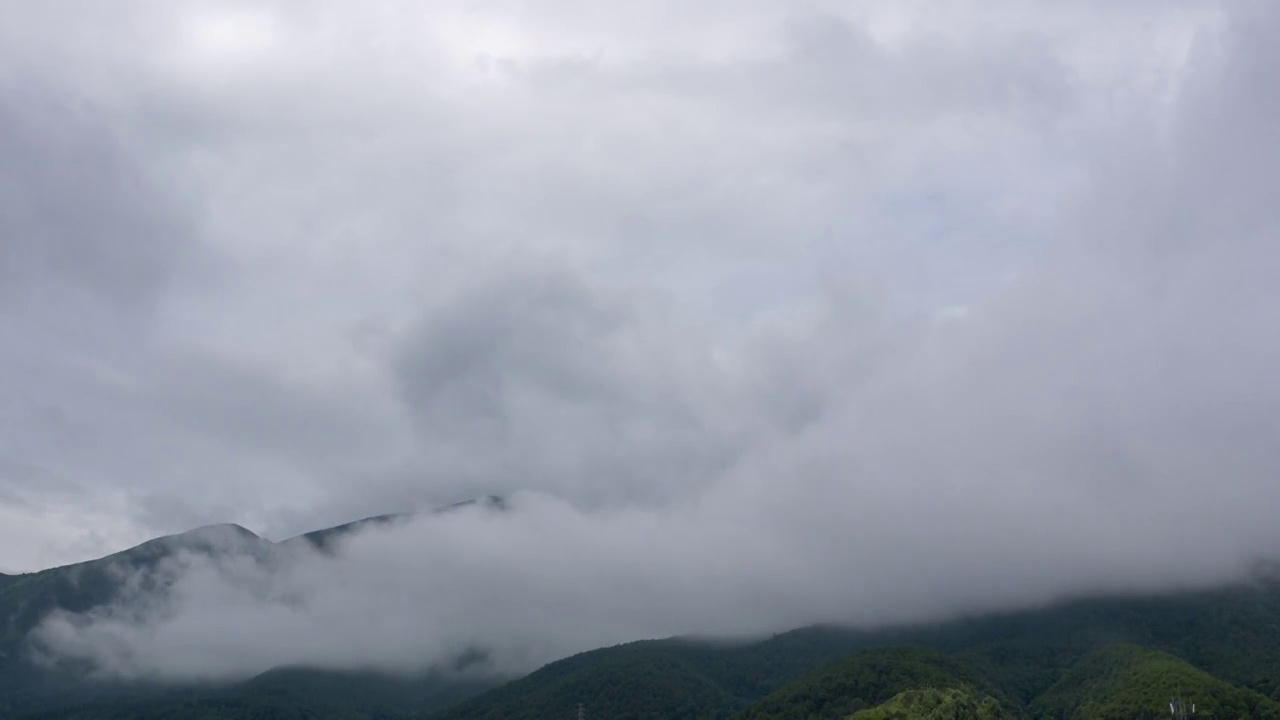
x,y
78,210
540,380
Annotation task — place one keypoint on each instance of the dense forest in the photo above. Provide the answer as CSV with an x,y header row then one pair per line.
x,y
1092,658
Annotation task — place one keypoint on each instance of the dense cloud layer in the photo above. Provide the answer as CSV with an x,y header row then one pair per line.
x,y
859,317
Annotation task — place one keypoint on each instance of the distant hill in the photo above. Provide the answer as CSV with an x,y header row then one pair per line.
x,y
1117,682
26,599
285,694
1127,681
657,676
1105,657
27,687
1069,661
1232,633
672,678
868,680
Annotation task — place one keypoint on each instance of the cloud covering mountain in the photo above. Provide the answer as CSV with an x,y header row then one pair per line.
x,y
848,314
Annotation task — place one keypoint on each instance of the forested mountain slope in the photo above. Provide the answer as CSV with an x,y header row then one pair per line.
x,y
1223,643
30,686
1232,633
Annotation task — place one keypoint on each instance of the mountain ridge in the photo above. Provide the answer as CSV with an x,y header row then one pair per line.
x,y
1230,632
30,683
321,537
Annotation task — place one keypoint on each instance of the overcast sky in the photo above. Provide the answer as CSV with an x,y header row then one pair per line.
x,y
910,284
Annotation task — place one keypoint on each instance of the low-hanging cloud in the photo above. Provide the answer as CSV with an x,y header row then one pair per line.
x,y
1105,422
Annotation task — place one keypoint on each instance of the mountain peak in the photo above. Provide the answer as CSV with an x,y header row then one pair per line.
x,y
219,530
211,535
211,539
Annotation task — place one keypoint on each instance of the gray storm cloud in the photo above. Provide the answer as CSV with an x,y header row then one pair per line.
x,y
1104,419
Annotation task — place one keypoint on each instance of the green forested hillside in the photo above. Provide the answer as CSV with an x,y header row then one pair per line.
x,y
663,678
864,681
1126,681
636,684
1053,662
1118,682
1232,633
931,703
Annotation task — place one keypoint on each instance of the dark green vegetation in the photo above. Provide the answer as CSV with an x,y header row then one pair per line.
x,y
1016,664
870,679
662,678
284,695
1118,682
1126,681
1095,658
931,702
